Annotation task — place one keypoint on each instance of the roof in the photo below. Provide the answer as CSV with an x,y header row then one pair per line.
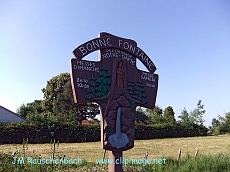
x,y
8,116
87,122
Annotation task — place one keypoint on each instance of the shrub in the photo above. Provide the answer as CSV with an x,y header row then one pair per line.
x,y
70,132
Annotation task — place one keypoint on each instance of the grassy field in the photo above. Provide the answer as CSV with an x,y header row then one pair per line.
x,y
214,154
157,148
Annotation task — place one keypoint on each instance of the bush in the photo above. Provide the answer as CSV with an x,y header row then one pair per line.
x,y
224,128
168,131
71,132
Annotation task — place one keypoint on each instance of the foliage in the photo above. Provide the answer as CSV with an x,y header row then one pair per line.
x,y
43,133
65,106
215,122
140,116
48,127
54,87
196,116
45,120
216,130
169,115
155,115
168,131
185,118
225,123
58,104
34,107
198,164
220,125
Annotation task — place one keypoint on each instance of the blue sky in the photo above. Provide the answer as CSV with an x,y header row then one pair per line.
x,y
188,40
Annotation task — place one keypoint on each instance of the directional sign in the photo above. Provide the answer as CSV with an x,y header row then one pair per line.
x,y
115,83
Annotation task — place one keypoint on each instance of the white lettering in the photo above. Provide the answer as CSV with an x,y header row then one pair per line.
x,y
132,48
126,45
150,85
89,46
119,42
142,55
148,76
82,83
102,42
122,44
137,50
83,50
86,65
80,62
147,60
95,44
151,64
114,53
108,41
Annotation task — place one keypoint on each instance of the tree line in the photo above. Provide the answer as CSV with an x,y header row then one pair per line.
x,y
58,106
220,124
159,116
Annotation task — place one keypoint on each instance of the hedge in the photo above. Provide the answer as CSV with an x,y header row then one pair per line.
x,y
168,131
13,133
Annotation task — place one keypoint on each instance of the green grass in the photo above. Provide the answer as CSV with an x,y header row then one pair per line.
x,y
214,155
200,164
157,148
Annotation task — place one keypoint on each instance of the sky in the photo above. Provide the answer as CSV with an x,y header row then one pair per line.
x,y
188,41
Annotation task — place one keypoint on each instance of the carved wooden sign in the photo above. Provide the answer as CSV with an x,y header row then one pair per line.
x,y
115,83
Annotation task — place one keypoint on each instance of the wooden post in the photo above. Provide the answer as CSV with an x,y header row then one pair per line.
x,y
116,158
146,155
179,154
196,153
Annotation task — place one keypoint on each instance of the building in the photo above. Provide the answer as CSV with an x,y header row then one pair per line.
x,y
89,122
9,116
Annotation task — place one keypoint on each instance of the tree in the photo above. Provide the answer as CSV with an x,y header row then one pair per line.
x,y
215,122
194,117
58,104
185,119
197,115
140,116
63,105
225,123
157,111
34,107
169,115
155,115
23,110
54,87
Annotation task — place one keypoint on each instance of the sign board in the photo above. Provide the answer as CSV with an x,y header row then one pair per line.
x,y
115,83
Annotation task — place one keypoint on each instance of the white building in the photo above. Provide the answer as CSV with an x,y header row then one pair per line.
x,y
9,116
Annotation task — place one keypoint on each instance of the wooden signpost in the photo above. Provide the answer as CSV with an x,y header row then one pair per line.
x,y
115,83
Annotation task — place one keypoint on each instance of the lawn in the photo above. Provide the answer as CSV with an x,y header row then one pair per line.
x,y
157,148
